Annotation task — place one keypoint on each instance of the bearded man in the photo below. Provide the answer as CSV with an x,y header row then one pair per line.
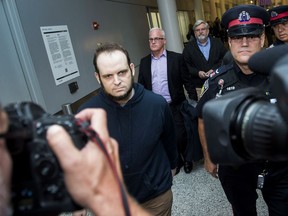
x,y
204,54
142,123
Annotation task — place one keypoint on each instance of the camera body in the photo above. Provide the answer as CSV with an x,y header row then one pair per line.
x,y
38,186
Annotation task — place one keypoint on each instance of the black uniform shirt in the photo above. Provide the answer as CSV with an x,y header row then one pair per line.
x,y
229,78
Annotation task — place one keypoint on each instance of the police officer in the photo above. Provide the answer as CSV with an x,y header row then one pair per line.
x,y
245,26
279,23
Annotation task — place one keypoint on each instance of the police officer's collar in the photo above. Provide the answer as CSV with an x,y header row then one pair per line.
x,y
278,42
246,77
163,54
240,72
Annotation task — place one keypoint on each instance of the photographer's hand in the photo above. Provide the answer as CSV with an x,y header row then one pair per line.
x,y
5,167
208,164
87,174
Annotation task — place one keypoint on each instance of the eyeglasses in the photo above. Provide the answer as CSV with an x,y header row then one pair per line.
x,y
281,25
201,29
249,38
155,39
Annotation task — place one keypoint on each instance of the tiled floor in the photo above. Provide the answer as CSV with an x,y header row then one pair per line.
x,y
199,194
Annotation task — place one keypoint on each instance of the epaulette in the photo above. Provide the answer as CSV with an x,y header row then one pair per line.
x,y
221,70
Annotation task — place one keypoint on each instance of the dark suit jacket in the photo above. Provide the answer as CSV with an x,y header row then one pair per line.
x,y
178,76
196,61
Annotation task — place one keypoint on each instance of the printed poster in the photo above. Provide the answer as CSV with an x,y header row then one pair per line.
x,y
60,53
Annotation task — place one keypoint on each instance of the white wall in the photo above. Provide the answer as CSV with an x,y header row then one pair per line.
x,y
123,23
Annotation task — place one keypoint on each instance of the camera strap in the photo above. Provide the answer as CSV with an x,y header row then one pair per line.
x,y
94,137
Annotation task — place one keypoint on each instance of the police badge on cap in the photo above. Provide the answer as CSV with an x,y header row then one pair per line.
x,y
245,20
278,15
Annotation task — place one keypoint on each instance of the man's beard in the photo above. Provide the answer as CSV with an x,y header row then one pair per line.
x,y
123,97
202,38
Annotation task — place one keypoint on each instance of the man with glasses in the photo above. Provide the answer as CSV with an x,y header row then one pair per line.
x,y
204,54
245,26
279,23
164,72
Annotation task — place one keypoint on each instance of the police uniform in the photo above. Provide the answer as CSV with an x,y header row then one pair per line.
x,y
278,15
229,78
240,182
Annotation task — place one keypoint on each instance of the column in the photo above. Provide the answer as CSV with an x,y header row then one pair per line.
x,y
230,4
213,13
198,9
222,7
169,21
219,14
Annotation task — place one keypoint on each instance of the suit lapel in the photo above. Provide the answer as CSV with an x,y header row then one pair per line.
x,y
149,72
169,66
211,49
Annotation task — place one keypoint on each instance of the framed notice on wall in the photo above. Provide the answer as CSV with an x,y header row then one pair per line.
x,y
60,53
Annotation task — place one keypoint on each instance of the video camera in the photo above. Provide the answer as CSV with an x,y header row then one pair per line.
x,y
37,181
244,126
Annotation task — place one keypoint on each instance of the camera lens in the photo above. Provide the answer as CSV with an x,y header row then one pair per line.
x,y
259,130
264,131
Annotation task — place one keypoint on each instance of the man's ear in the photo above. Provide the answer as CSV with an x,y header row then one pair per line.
x,y
132,67
229,42
97,76
262,40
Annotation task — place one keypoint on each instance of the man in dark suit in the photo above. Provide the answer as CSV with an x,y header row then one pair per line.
x,y
204,54
164,72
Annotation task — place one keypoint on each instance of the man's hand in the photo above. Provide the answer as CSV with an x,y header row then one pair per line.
x,y
88,176
203,74
173,172
87,173
209,72
210,167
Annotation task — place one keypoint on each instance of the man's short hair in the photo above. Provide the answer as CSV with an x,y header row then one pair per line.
x,y
199,22
109,48
157,28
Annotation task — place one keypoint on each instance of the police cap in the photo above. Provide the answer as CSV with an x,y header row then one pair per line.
x,y
278,15
244,20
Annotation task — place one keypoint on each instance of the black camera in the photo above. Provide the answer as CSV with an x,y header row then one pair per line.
x,y
37,181
244,126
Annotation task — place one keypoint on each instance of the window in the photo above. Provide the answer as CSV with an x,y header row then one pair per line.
x,y
154,20
183,20
153,17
